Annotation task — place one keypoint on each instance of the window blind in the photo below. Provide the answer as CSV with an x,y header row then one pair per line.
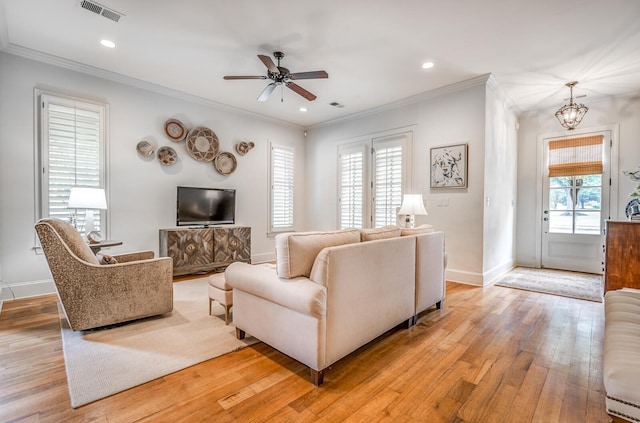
x,y
388,184
351,196
576,156
282,179
72,146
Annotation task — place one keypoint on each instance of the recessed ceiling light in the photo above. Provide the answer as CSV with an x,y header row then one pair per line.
x,y
108,43
303,109
427,65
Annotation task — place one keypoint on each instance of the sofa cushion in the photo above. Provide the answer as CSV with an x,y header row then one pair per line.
x,y
422,229
379,233
296,252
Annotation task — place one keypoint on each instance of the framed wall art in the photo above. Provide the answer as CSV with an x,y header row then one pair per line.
x,y
449,166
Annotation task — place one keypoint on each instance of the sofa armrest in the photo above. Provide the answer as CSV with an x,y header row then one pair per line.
x,y
299,294
135,256
431,262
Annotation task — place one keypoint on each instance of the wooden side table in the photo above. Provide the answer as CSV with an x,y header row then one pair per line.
x,y
96,247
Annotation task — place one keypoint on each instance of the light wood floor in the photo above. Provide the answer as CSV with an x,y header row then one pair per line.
x,y
491,355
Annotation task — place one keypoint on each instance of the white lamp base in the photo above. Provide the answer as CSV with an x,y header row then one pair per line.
x,y
88,222
410,221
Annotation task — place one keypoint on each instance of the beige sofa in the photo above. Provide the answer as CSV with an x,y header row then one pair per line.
x,y
332,292
621,357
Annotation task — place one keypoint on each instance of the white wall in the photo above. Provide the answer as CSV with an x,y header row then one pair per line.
x,y
622,113
452,116
141,192
500,187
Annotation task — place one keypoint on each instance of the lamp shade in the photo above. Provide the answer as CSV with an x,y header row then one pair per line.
x,y
87,198
412,205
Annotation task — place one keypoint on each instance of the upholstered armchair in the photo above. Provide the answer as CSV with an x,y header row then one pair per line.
x,y
95,295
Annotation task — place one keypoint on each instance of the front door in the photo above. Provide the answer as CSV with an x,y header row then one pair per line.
x,y
575,201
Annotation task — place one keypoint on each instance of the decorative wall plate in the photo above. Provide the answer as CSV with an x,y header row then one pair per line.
x,y
243,147
167,156
633,207
175,130
225,163
202,144
144,148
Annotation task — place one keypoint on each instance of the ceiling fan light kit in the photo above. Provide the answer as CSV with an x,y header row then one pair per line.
x,y
570,115
281,76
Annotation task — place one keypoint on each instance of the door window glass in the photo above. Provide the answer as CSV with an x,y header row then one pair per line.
x,y
575,204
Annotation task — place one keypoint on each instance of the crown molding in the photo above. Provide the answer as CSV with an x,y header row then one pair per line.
x,y
133,82
493,83
427,95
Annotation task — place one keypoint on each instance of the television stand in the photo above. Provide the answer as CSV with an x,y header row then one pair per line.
x,y
205,249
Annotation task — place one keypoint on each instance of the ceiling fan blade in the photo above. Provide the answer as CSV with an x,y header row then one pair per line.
x,y
245,77
309,75
267,92
299,90
268,63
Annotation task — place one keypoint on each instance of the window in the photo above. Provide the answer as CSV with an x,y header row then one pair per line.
x,y
281,193
72,153
387,157
387,183
351,200
575,185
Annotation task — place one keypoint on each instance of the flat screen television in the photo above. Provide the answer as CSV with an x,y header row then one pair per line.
x,y
205,206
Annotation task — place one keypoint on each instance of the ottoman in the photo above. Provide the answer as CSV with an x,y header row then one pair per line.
x,y
221,292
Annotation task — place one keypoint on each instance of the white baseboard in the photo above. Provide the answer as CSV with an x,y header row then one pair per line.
x,y
479,279
492,275
463,276
27,289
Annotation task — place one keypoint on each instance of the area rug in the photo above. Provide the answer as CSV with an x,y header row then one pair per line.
x,y
584,286
103,362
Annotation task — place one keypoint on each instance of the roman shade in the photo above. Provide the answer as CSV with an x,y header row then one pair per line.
x,y
576,156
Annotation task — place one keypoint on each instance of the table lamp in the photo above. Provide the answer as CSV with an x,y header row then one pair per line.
x,y
90,199
412,205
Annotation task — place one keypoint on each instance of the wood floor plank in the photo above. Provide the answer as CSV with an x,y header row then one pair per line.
x,y
490,354
526,401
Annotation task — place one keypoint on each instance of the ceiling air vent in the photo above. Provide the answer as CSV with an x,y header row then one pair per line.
x,y
99,9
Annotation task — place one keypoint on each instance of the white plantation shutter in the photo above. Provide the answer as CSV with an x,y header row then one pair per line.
x,y
351,201
282,161
388,182
372,175
72,140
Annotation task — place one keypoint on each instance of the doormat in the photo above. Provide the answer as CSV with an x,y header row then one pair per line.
x,y
584,286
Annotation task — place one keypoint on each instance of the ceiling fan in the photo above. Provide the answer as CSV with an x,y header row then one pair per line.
x,y
281,76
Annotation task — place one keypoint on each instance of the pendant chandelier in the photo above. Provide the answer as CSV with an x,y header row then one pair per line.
x,y
570,115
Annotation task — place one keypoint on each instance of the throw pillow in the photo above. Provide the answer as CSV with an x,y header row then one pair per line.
x,y
105,259
379,233
296,252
